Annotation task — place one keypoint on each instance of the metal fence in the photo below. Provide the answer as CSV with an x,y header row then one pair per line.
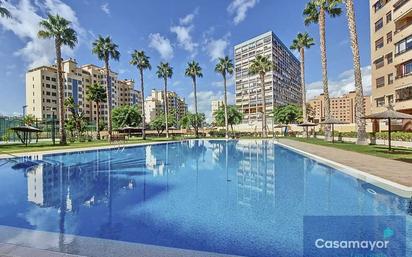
x,y
6,123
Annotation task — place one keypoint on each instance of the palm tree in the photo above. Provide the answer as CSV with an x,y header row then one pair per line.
x,y
224,67
360,110
164,71
194,71
4,12
302,41
59,28
142,62
315,12
259,66
97,93
106,49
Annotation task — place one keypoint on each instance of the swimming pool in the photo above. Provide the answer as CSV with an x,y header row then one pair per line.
x,y
233,197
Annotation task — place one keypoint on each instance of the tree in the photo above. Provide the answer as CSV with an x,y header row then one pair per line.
x,y
234,116
194,71
97,93
225,67
126,116
29,119
76,119
302,41
59,28
142,62
4,12
359,100
259,66
315,12
193,120
159,123
287,114
164,71
106,49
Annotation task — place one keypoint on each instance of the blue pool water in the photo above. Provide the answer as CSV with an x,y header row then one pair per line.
x,y
235,197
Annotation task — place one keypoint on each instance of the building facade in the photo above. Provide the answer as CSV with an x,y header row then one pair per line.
x,y
282,84
216,104
42,98
391,42
342,108
155,104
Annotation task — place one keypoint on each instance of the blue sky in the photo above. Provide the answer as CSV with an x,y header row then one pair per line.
x,y
176,31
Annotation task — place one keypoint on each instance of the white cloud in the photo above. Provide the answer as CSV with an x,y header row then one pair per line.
x,y
239,8
343,85
204,100
216,48
105,8
162,45
24,23
183,33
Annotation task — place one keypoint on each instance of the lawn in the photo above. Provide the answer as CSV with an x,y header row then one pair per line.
x,y
48,145
399,153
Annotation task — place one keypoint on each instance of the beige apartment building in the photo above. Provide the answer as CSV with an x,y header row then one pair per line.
x,y
42,95
154,105
342,108
216,104
282,85
391,42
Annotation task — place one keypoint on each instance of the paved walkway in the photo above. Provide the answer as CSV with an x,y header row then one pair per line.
x,y
395,171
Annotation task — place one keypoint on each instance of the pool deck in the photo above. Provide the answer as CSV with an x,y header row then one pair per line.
x,y
397,172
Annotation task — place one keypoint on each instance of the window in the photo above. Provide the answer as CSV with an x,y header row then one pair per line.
x,y
380,101
404,94
389,37
379,63
379,43
390,79
377,6
379,24
403,46
390,99
388,17
380,82
389,58
407,68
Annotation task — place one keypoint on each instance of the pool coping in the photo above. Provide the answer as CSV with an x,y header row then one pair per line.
x,y
85,149
391,186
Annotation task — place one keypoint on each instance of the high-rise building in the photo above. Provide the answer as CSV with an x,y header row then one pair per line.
x,y
391,42
216,104
154,105
282,85
42,98
342,108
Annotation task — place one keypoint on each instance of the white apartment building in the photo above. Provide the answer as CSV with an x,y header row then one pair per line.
x,y
282,84
154,105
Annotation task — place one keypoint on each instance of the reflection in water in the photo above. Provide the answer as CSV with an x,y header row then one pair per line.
x,y
222,196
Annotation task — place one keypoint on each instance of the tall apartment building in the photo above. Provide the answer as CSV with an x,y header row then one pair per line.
x,y
391,42
342,108
42,92
154,105
282,85
216,104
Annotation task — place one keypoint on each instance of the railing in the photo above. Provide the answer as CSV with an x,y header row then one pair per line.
x,y
399,4
404,26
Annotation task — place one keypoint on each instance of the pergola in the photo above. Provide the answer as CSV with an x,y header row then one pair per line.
x,y
389,115
306,125
280,125
332,121
24,131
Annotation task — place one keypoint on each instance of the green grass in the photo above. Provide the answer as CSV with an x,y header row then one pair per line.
x,y
399,153
48,146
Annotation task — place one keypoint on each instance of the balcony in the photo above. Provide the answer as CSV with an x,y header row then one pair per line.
x,y
403,57
403,29
401,8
